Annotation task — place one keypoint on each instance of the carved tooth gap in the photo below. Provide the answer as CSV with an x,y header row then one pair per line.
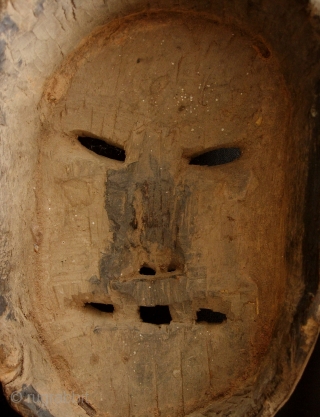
x,y
209,316
105,308
147,270
155,315
102,148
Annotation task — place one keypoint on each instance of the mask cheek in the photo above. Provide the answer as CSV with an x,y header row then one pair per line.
x,y
78,193
241,185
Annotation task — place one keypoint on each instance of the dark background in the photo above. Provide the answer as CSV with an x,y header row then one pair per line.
x,y
305,401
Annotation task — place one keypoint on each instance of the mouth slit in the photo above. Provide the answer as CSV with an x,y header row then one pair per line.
x,y
155,315
105,308
209,316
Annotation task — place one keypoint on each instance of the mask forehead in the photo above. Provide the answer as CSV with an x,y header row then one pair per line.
x,y
165,90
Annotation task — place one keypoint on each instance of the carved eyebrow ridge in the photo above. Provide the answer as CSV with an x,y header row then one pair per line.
x,y
215,157
102,148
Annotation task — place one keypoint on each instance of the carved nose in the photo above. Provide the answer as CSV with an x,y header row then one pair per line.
x,y
158,219
148,221
158,212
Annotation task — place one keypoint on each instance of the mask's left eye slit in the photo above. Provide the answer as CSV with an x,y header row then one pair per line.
x,y
101,147
215,157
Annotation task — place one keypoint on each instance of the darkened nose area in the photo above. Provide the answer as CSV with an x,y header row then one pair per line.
x,y
146,210
158,211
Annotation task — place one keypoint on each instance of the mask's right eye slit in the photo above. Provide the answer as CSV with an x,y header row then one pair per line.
x,y
101,147
104,308
215,157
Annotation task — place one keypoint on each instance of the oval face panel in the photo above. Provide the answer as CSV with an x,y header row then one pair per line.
x,y
162,200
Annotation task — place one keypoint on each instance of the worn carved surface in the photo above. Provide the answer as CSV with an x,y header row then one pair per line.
x,y
161,253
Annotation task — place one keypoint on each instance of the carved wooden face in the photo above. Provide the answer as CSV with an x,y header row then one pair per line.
x,y
162,201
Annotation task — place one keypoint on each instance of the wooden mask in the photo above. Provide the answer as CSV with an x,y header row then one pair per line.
x,y
169,233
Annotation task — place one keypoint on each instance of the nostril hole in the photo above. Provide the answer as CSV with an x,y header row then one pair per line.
x,y
105,308
155,315
146,270
209,316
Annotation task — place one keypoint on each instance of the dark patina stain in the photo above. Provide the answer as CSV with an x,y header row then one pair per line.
x,y
38,8
160,222
32,402
3,45
3,305
8,25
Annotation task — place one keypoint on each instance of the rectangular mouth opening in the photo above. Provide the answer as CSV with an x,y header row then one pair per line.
x,y
155,315
205,315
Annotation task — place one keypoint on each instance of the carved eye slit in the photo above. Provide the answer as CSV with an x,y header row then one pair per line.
x,y
100,147
105,308
216,157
